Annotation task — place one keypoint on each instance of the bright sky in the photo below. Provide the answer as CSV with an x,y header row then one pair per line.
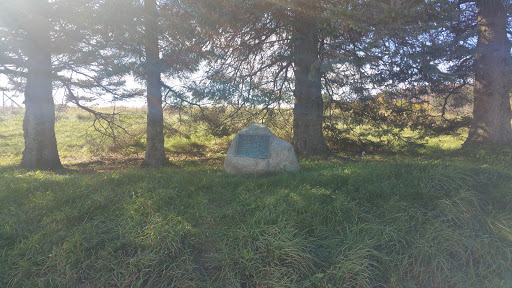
x,y
131,82
59,96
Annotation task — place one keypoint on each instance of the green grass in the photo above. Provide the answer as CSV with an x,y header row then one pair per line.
x,y
440,217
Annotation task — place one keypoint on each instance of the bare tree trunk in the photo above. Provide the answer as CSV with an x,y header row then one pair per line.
x,y
308,139
491,112
39,123
155,153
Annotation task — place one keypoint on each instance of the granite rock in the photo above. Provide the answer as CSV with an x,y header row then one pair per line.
x,y
281,156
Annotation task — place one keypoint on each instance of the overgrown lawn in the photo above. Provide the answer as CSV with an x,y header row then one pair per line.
x,y
435,218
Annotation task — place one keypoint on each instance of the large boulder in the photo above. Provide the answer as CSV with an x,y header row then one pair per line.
x,y
256,150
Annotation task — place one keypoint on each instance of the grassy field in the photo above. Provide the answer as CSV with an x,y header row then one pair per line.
x,y
437,216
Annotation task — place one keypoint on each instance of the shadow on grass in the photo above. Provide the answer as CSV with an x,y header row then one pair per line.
x,y
9,168
16,169
105,164
132,223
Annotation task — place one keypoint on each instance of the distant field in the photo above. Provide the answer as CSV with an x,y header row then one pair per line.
x,y
79,142
432,216
188,136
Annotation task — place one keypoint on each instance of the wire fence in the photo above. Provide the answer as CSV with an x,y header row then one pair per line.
x,y
8,102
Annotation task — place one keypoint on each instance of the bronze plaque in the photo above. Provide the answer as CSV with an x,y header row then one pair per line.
x,y
253,146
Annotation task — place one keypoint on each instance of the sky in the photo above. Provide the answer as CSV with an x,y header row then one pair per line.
x,y
59,98
58,95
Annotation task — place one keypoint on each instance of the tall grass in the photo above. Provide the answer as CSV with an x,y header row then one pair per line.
x,y
434,219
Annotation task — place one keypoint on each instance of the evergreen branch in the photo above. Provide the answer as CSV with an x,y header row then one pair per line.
x,y
105,88
178,95
108,130
8,71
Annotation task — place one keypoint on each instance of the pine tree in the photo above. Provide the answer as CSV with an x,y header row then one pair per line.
x,y
40,152
493,70
49,45
449,40
308,111
275,45
155,39
155,153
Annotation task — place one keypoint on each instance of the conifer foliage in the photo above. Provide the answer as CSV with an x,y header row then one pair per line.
x,y
259,53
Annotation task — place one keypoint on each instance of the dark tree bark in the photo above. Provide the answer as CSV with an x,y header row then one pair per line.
x,y
39,123
155,153
308,139
491,112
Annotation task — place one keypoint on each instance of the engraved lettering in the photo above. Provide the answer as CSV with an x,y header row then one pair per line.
x,y
253,146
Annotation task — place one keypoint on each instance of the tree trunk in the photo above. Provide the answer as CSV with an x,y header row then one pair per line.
x,y
308,139
491,112
155,153
39,123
